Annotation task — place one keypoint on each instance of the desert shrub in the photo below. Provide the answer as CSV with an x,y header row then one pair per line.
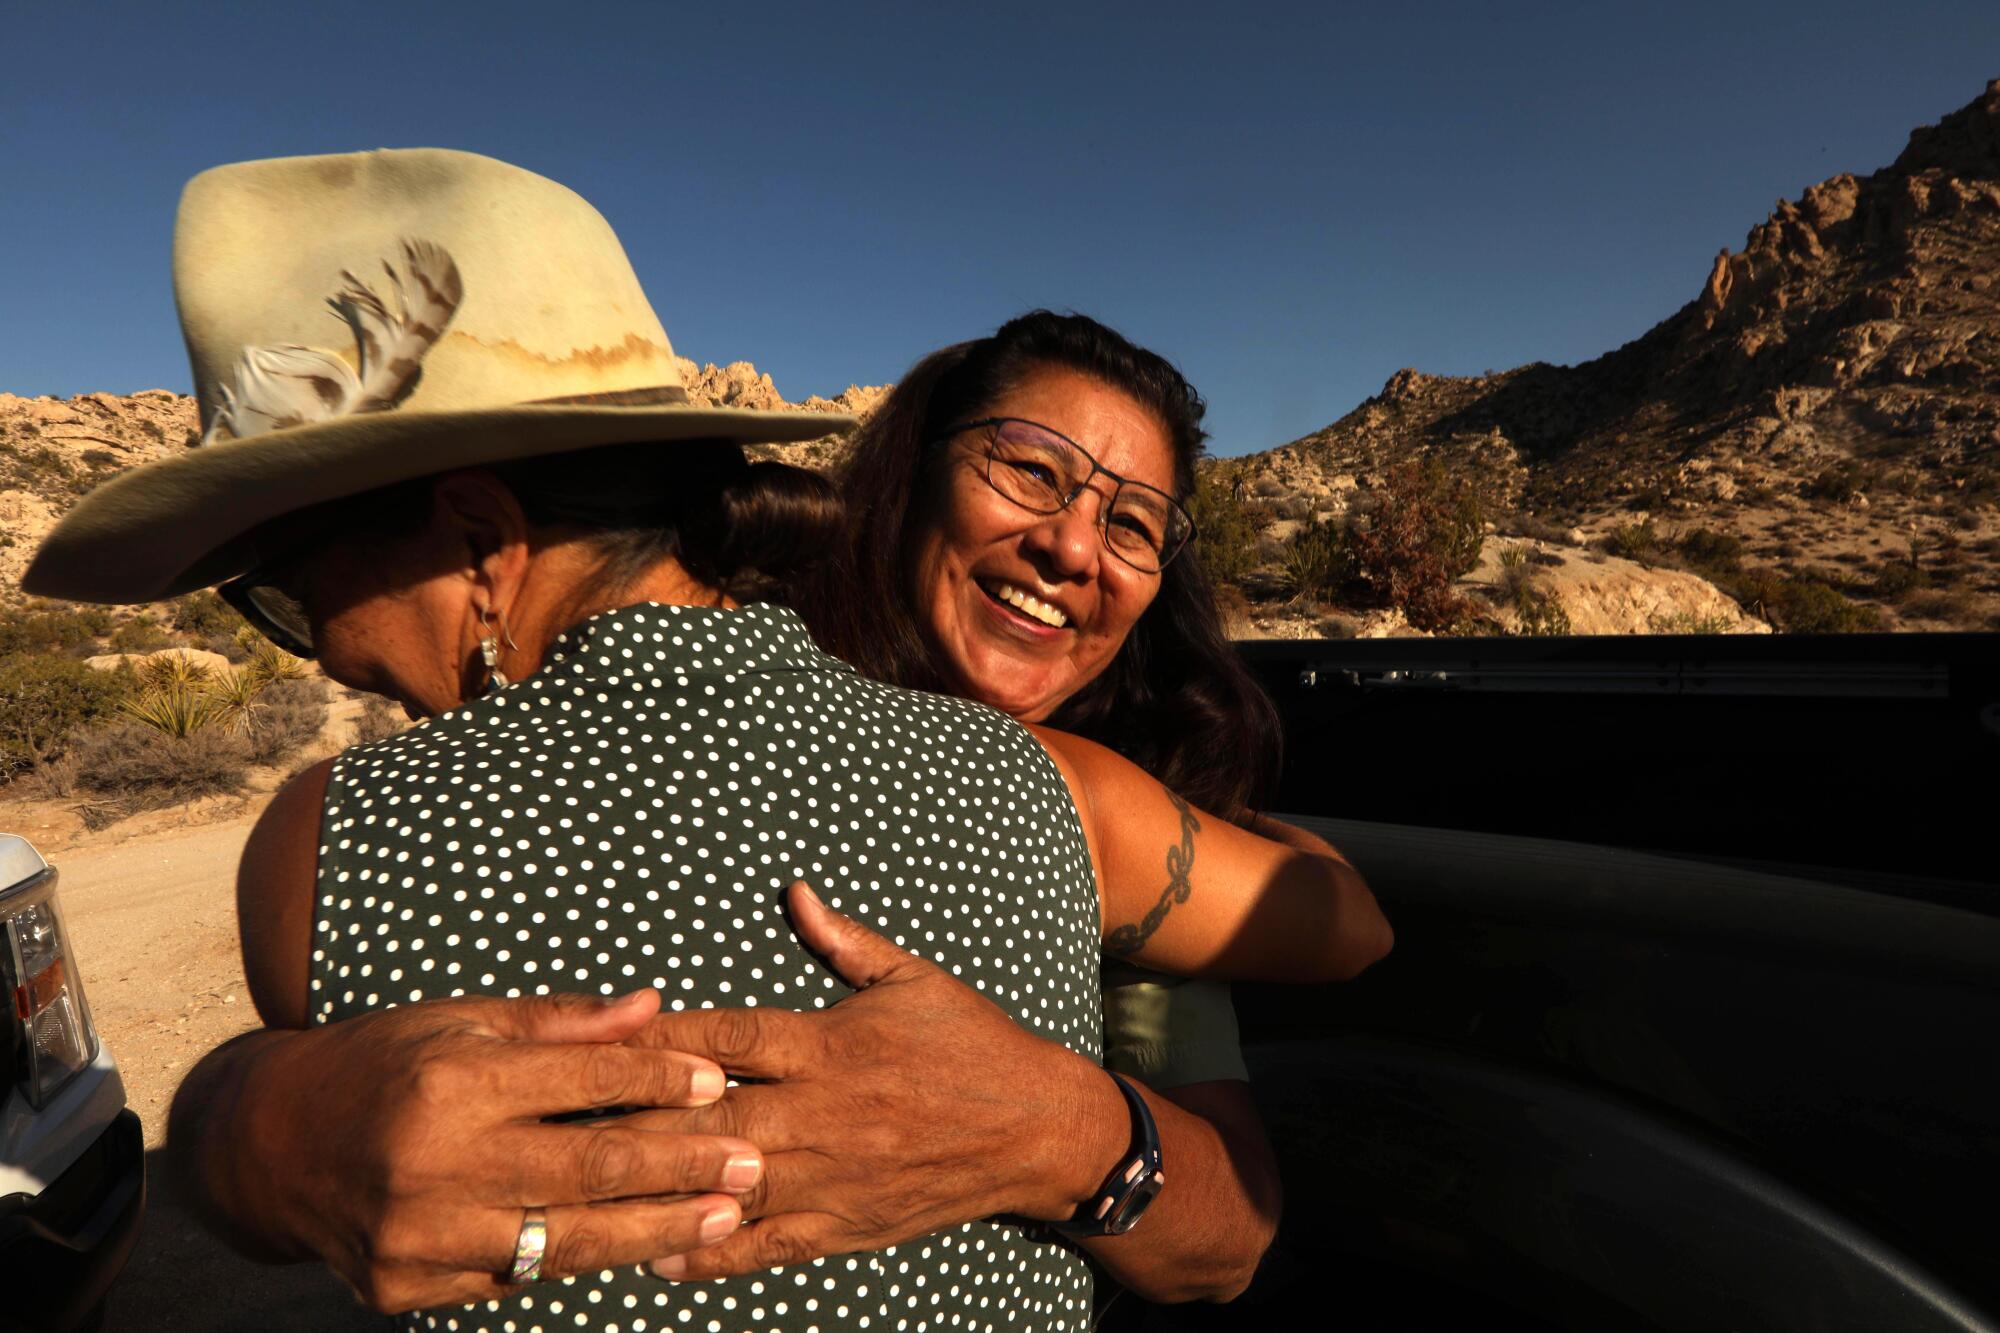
x,y
1317,561
379,720
290,715
1689,622
43,699
1634,541
1516,572
1707,549
235,696
1951,606
1424,532
50,629
1225,536
268,662
227,645
1535,527
177,710
1842,482
1801,606
1539,613
58,778
141,634
1897,578
173,671
42,463
138,767
203,615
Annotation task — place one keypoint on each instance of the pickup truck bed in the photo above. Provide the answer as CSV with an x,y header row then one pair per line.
x,y
1691,1022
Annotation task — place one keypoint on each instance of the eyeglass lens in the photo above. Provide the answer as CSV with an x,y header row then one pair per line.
x,y
1043,472
274,613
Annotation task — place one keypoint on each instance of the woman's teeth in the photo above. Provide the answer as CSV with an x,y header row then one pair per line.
x,y
1033,607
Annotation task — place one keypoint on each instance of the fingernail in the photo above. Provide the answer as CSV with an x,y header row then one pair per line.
x,y
707,1085
741,1172
806,889
673,1268
626,998
717,1225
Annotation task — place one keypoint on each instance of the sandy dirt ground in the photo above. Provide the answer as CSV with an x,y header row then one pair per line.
x,y
153,917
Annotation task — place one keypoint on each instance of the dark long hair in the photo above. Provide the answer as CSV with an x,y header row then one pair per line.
x,y
1175,699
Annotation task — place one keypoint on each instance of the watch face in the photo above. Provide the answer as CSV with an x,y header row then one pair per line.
x,y
1135,1205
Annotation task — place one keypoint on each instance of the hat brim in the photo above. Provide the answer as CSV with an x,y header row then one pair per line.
x,y
176,525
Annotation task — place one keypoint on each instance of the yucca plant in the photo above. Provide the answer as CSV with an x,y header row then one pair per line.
x,y
234,694
172,671
176,710
269,662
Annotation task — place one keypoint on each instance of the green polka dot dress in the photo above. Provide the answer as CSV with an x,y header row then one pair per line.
x,y
630,815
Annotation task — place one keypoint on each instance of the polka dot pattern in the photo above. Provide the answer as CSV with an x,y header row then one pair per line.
x,y
630,815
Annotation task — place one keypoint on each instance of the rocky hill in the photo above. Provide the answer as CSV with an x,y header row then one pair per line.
x,y
1827,406
52,450
1811,442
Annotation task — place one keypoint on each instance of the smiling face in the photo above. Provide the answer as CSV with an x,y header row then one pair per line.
x,y
1025,609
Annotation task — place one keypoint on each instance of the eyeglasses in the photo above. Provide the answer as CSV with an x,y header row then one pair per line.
x,y
1044,473
273,609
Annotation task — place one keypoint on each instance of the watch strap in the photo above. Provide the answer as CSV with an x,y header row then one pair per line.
x,y
1118,1203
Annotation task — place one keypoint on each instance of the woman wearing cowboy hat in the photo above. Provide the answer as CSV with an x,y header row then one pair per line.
x,y
446,452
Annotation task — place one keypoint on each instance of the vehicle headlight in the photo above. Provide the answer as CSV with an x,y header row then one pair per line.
x,y
56,1040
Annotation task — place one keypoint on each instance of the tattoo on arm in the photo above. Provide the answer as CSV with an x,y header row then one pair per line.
x,y
1129,939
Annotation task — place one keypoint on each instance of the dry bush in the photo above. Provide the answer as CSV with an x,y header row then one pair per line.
x,y
1516,573
1689,622
51,628
141,634
235,695
1953,607
203,615
43,698
1536,527
1317,561
137,767
1538,612
1799,605
1424,531
1634,541
269,662
290,715
173,671
173,709
379,720
1225,535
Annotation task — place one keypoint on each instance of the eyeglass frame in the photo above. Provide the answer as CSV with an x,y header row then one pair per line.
x,y
240,593
1097,469
273,571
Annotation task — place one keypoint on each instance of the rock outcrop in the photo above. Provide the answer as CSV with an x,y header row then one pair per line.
x,y
1831,395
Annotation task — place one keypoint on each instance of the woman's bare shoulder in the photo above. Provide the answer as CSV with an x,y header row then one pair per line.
x,y
274,898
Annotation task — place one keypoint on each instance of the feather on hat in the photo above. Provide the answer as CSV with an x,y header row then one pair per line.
x,y
513,326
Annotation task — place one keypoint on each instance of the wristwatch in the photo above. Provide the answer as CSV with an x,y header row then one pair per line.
x,y
1133,1184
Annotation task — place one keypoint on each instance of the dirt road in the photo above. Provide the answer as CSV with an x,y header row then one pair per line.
x,y
154,922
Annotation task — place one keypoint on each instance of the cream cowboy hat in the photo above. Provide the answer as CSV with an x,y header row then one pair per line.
x,y
363,319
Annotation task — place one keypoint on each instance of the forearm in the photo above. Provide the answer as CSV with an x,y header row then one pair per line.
x,y
1210,1225
210,1147
1288,835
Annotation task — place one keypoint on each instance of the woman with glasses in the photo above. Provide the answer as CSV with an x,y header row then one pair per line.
x,y
1018,535
452,496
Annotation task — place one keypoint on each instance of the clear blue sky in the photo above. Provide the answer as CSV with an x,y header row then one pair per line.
x,y
1291,201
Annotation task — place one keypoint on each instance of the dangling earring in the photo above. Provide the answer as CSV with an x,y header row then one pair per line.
x,y
489,651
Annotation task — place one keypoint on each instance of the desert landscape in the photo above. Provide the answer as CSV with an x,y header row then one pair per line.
x,y
1810,444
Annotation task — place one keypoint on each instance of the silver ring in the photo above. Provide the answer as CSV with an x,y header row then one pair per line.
x,y
528,1247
